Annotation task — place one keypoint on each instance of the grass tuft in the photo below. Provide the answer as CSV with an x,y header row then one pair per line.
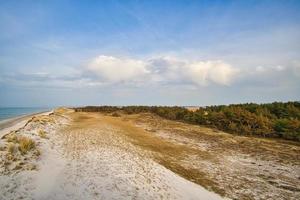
x,y
42,134
12,138
11,148
26,144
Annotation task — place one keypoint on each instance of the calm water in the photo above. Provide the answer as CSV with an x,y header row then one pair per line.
x,y
6,113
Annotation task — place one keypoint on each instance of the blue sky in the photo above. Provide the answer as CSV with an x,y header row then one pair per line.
x,y
148,52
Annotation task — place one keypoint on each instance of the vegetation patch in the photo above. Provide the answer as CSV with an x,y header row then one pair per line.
x,y
42,134
26,144
18,154
277,120
42,119
11,148
12,137
167,153
22,143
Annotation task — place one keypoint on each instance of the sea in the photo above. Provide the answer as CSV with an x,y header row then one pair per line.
x,y
11,112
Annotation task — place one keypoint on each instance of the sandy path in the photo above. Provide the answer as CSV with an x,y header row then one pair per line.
x,y
92,159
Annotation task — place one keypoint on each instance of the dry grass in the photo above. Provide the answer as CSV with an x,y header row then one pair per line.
x,y
11,148
60,111
20,150
207,157
167,153
208,165
115,114
37,152
42,119
26,144
12,137
42,134
164,152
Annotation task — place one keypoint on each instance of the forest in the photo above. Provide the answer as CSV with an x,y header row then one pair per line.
x,y
277,120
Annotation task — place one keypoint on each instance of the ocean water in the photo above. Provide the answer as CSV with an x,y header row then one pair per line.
x,y
6,113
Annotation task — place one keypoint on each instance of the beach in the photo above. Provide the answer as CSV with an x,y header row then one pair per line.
x,y
15,123
75,157
65,154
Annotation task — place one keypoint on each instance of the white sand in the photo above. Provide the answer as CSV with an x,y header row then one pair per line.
x,y
95,164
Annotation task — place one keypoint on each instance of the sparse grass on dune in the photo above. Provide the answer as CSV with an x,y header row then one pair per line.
x,y
42,134
208,155
273,120
20,149
11,148
60,111
12,137
166,153
23,143
26,144
42,119
19,152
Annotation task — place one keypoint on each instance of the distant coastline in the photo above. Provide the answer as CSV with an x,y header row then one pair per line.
x,y
9,117
8,113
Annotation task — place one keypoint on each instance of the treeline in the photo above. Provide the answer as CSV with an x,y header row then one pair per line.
x,y
276,119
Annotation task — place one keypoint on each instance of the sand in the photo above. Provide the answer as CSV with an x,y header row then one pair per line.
x,y
16,123
85,157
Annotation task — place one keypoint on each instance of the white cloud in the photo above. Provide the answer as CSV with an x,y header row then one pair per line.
x,y
162,72
268,69
201,73
115,69
204,72
162,69
166,69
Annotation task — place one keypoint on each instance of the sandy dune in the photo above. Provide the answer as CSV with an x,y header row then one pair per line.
x,y
81,155
16,122
88,157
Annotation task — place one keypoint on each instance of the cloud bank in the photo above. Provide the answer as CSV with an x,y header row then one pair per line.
x,y
163,69
204,72
115,69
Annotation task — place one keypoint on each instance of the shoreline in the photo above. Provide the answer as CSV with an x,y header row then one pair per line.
x,y
14,123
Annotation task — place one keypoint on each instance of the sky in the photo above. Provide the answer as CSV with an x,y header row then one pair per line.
x,y
74,53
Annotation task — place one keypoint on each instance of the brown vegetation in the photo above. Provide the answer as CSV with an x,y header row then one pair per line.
x,y
237,167
42,134
18,154
213,158
277,120
25,144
